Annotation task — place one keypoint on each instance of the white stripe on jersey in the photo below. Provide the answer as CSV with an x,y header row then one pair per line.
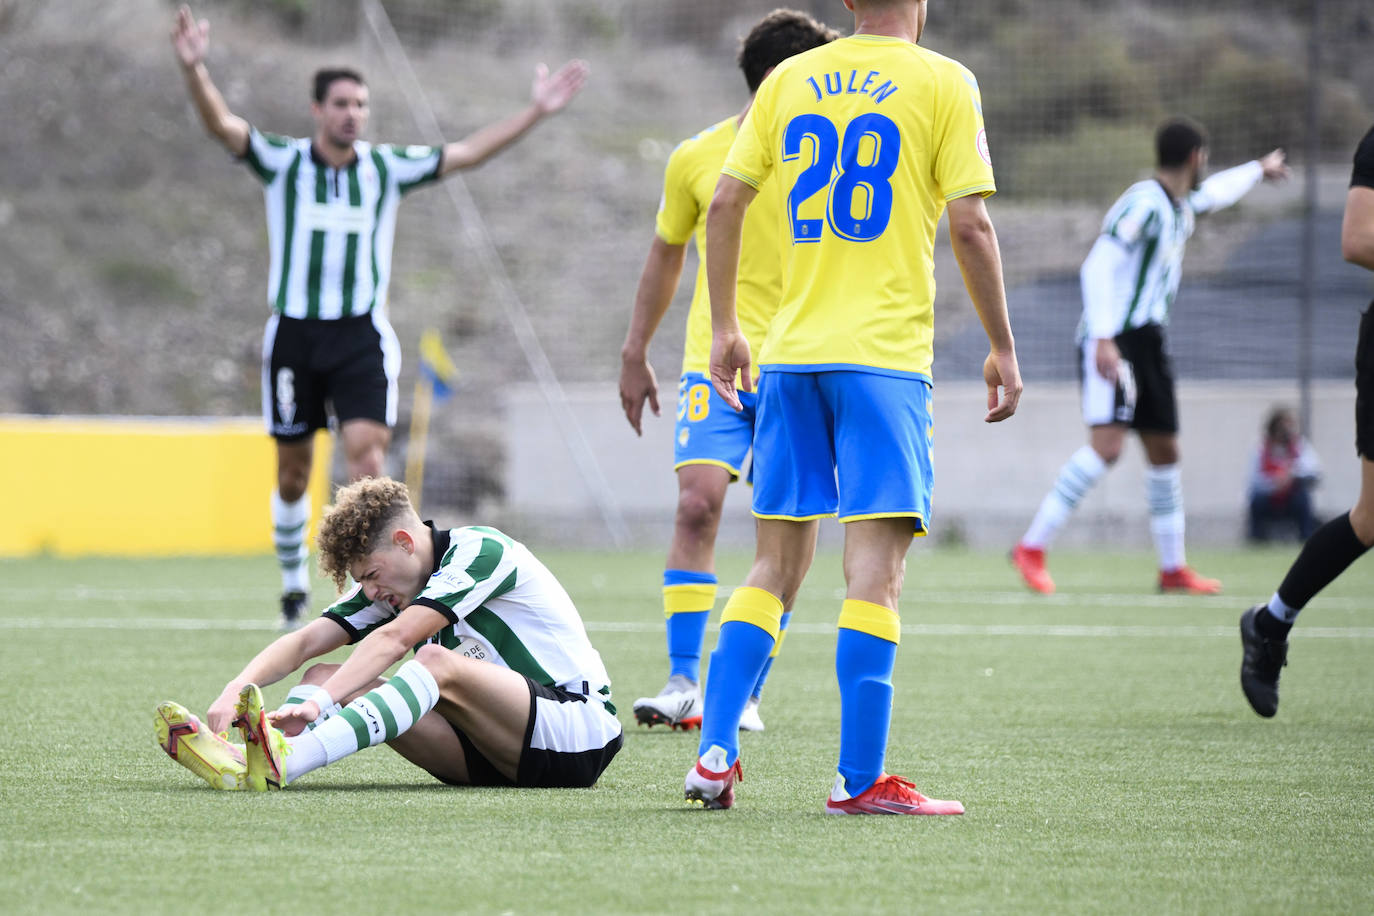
x,y
330,231
507,608
1132,273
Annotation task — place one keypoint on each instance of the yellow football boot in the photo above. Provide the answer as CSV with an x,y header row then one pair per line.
x,y
187,741
264,746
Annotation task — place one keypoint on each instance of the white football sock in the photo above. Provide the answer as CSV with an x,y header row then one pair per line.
x,y
1281,611
289,523
302,692
1164,493
1078,475
376,716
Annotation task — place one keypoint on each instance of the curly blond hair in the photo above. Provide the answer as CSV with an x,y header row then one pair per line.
x,y
364,512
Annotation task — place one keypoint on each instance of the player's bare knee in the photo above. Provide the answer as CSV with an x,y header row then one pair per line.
x,y
433,655
697,513
1109,452
291,484
293,476
367,465
446,666
779,575
365,444
876,572
319,673
899,580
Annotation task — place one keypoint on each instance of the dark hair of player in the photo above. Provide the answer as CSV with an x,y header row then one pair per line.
x,y
1175,141
327,76
363,514
777,37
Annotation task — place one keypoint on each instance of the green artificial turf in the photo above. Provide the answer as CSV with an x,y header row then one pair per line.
x,y
1098,738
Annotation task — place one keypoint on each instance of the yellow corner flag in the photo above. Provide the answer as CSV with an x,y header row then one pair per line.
x,y
436,365
438,377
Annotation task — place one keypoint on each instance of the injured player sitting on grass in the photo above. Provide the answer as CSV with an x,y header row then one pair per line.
x,y
505,688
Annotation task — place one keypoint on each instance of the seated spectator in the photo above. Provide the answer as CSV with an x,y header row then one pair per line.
x,y
1283,472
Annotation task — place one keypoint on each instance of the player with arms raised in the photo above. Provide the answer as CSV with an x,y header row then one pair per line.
x,y
870,138
331,202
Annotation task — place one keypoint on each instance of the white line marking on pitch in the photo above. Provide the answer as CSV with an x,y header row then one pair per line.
x,y
914,600
1104,631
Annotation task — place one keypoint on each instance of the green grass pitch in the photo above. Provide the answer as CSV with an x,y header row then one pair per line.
x,y
1098,738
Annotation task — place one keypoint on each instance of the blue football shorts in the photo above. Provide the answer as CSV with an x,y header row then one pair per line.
x,y
708,430
843,442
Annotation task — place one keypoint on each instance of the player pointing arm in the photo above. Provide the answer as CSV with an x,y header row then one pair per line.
x,y
1129,281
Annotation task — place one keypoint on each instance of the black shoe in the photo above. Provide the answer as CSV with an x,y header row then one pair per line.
x,y
292,609
1259,669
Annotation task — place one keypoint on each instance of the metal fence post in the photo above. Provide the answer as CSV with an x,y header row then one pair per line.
x,y
1308,276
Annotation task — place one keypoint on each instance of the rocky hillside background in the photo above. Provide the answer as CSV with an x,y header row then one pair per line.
x,y
133,249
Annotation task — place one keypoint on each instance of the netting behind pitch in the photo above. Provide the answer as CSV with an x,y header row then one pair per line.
x,y
1072,93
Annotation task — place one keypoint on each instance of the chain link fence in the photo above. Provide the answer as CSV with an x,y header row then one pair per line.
x,y
1072,93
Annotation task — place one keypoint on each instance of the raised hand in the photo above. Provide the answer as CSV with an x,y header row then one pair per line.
x,y
1275,167
190,39
550,93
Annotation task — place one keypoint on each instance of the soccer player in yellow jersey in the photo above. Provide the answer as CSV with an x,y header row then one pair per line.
x,y
869,139
711,440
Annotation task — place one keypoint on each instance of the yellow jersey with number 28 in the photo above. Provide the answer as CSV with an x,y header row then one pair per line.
x,y
867,137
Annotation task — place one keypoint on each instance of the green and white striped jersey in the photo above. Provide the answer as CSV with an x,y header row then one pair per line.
x,y
503,606
330,230
1130,277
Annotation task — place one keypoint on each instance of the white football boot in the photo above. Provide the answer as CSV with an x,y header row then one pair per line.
x,y
678,705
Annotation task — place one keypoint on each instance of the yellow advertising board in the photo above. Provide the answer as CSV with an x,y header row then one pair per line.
x,y
122,486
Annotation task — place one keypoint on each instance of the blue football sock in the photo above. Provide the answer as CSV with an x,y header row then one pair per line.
x,y
768,664
748,626
688,597
863,667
